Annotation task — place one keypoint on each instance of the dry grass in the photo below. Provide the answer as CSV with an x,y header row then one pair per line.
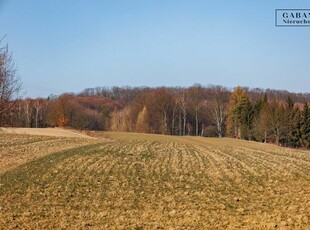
x,y
19,149
158,182
54,132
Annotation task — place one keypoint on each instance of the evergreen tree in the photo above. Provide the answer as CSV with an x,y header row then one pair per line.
x,y
295,138
291,116
245,111
305,126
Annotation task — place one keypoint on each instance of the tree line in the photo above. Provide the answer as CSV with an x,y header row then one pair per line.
x,y
212,111
275,116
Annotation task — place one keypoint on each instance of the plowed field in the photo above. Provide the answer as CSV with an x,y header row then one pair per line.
x,y
139,181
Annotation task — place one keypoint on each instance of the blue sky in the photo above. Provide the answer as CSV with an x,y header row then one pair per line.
x,y
66,46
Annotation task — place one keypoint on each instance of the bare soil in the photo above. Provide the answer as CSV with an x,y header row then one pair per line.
x,y
143,181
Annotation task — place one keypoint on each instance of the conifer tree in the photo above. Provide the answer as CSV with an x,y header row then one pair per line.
x,y
291,117
305,126
296,135
245,113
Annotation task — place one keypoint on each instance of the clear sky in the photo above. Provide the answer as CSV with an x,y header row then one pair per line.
x,y
66,46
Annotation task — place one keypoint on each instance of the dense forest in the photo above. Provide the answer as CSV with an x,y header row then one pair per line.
x,y
275,116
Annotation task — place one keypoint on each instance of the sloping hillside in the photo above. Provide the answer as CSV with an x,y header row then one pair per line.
x,y
142,181
17,147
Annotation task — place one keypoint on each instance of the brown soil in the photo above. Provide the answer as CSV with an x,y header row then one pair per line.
x,y
158,182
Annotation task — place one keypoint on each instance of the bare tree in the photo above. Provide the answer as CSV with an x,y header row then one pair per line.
x,y
10,85
38,108
28,111
218,109
183,104
163,103
277,116
196,99
61,111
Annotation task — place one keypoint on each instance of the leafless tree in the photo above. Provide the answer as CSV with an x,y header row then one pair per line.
x,y
38,107
183,104
10,85
196,102
218,109
277,116
28,111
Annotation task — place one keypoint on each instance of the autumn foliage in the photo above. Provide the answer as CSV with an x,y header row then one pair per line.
x,y
273,116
